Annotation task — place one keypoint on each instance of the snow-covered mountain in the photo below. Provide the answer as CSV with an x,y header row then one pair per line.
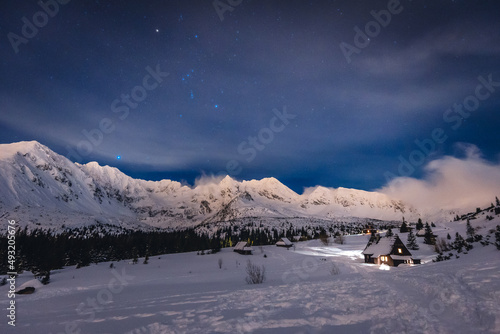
x,y
43,188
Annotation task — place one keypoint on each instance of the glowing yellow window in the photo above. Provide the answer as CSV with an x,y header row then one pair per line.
x,y
400,251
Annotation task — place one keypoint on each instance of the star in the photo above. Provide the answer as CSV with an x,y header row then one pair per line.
x,y
157,30
118,157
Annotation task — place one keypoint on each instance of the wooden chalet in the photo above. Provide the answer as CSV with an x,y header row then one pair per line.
x,y
244,248
390,251
284,242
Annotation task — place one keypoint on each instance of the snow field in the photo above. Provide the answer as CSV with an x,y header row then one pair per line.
x,y
188,293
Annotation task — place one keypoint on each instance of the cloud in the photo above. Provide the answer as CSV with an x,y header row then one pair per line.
x,y
450,183
205,179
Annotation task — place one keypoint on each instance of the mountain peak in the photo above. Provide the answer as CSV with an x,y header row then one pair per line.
x,y
228,183
227,180
50,188
8,150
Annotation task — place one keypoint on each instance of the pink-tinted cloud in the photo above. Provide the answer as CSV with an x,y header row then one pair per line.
x,y
450,183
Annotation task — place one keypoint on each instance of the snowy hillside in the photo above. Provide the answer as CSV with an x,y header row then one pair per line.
x,y
42,188
310,289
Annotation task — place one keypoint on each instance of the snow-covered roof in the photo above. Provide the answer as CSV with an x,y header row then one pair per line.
x,y
284,242
381,246
242,245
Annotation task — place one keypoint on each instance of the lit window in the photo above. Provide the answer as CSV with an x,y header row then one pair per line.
x,y
400,250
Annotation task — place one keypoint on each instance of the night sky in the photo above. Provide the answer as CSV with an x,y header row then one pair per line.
x,y
289,89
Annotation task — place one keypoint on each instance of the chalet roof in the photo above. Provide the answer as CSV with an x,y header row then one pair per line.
x,y
285,242
242,245
382,246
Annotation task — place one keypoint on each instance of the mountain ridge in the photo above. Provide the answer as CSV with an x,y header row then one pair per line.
x,y
43,188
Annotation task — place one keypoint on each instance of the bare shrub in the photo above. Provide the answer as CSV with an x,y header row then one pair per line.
x,y
255,274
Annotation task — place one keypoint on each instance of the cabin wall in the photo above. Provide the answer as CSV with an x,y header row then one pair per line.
x,y
389,261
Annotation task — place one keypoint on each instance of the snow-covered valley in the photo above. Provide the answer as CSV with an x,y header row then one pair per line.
x,y
190,293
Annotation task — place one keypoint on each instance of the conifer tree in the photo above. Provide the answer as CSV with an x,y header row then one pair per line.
x,y
420,225
470,232
429,236
389,232
459,242
404,227
411,243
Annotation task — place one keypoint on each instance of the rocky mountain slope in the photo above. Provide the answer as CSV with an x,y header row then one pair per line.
x,y
40,187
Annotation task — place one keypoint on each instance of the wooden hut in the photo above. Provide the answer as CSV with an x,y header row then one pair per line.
x,y
284,242
243,247
388,250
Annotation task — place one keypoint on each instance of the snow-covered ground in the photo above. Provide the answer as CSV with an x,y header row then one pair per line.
x,y
189,293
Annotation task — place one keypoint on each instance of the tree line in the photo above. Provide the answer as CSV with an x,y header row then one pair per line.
x,y
41,250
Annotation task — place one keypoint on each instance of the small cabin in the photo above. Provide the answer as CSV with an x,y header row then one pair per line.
x,y
388,250
284,242
369,231
244,248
